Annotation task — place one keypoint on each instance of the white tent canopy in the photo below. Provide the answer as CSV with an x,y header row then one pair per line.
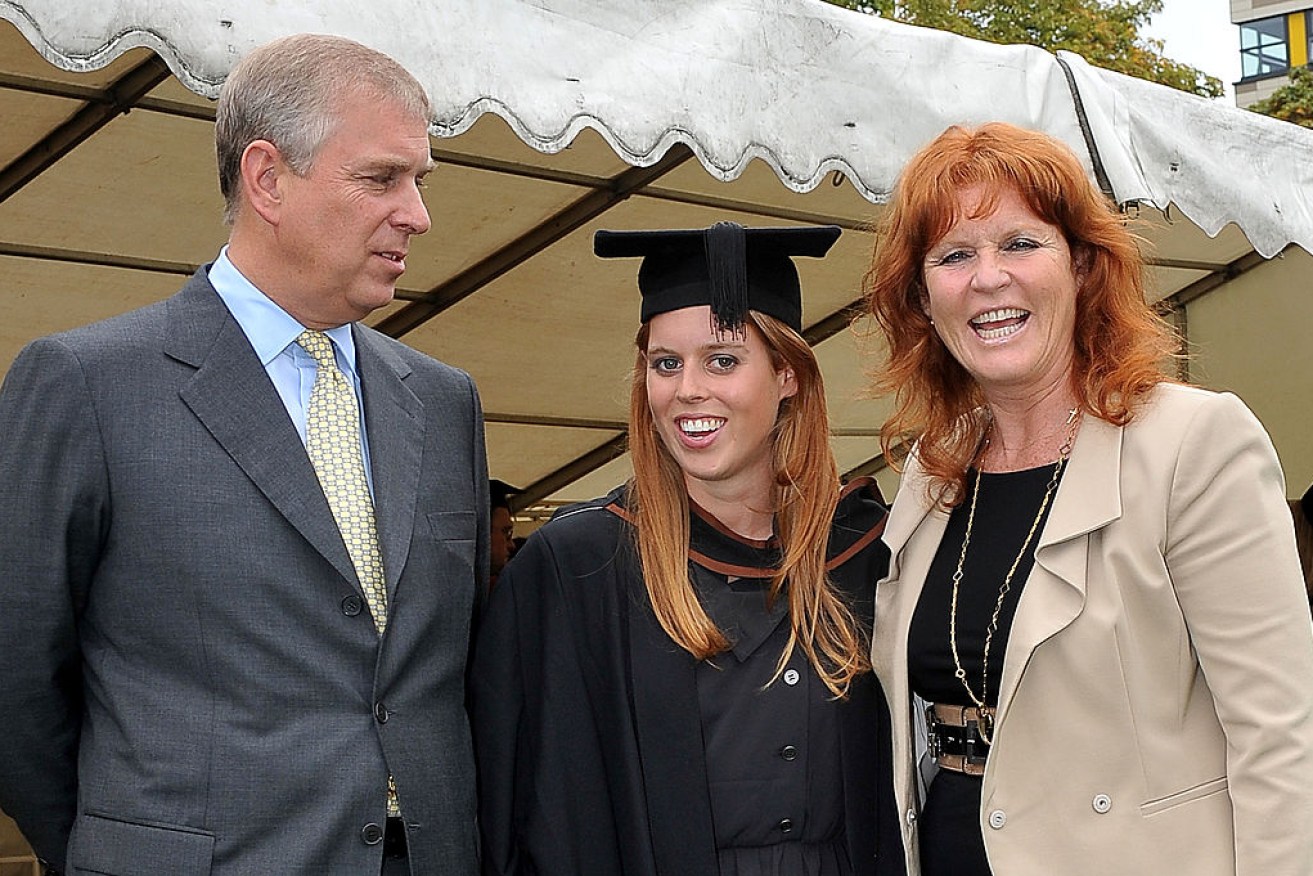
x,y
557,117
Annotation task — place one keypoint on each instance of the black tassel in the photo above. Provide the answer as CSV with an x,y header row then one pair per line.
x,y
727,269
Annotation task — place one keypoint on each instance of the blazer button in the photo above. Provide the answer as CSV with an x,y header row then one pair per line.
x,y
997,819
351,606
789,752
1101,803
380,712
371,834
786,825
791,677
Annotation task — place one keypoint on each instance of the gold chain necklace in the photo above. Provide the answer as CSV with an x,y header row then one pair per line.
x,y
986,722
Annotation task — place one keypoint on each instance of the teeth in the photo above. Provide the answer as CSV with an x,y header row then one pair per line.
x,y
996,333
999,315
701,425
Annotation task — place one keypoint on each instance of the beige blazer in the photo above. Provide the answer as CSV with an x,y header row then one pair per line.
x,y
1156,710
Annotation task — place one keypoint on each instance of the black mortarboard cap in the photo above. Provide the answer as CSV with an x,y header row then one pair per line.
x,y
732,268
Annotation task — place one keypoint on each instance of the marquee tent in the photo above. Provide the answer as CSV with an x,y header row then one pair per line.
x,y
554,118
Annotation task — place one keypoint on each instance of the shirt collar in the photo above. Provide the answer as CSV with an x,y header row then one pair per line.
x,y
268,327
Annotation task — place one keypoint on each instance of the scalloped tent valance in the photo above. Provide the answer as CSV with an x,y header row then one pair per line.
x,y
804,86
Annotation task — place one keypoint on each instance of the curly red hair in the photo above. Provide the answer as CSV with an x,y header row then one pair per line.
x,y
1121,345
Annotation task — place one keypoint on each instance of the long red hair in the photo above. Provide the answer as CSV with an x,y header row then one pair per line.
x,y
806,493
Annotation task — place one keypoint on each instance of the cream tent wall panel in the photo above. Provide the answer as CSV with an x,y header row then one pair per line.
x,y
1169,238
1252,338
845,365
549,338
494,209
144,185
834,282
175,92
27,119
597,483
38,298
521,454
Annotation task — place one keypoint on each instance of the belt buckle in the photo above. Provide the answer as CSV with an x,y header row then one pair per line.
x,y
933,724
975,749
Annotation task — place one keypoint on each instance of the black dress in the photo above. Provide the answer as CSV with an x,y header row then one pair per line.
x,y
1006,507
604,748
774,769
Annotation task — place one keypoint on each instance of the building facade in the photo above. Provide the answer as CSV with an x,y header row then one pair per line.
x,y
1276,36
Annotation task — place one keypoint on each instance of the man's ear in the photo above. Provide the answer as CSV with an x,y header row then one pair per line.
x,y
262,170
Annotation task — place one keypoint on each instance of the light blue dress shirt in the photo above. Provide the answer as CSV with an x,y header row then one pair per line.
x,y
272,332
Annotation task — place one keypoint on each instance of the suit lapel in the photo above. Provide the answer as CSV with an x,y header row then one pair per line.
x,y
394,420
232,396
1088,498
669,729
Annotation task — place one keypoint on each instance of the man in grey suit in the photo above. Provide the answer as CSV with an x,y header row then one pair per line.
x,y
242,535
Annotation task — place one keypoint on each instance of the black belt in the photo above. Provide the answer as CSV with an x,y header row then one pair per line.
x,y
394,839
956,741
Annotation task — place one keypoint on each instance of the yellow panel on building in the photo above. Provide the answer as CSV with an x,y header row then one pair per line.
x,y
1298,39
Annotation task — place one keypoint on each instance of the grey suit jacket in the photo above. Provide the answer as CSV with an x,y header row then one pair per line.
x,y
189,680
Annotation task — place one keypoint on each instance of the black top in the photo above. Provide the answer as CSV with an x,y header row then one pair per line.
x,y
1006,507
1005,510
603,748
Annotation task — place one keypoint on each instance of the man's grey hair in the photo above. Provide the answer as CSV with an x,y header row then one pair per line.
x,y
289,91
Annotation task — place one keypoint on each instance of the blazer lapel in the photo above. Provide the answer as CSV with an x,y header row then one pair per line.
x,y
395,422
669,728
232,396
912,534
1088,498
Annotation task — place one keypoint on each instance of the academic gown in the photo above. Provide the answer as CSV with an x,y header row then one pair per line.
x,y
587,726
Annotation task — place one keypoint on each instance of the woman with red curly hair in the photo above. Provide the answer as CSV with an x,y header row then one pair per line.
x,y
1094,615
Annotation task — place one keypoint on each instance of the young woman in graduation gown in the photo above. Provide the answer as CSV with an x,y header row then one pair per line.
x,y
672,680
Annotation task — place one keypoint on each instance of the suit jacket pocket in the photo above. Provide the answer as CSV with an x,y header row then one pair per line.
x,y
126,848
452,525
1180,798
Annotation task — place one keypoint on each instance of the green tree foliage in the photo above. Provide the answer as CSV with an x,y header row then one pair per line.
x,y
1292,102
1104,32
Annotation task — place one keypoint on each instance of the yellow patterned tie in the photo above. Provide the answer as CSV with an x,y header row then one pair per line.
x,y
332,439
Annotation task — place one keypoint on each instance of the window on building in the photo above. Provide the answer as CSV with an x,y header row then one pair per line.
x,y
1264,47
1308,34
